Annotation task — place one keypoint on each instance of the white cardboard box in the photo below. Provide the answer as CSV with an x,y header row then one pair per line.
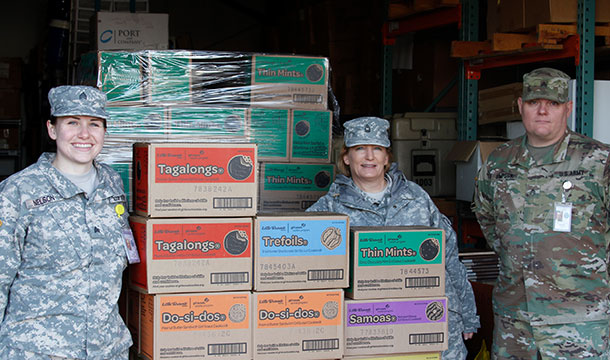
x,y
129,31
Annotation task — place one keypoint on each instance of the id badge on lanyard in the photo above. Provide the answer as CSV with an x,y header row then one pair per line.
x,y
128,240
562,219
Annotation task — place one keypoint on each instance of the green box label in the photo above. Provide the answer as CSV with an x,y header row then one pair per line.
x,y
298,177
290,70
208,121
399,248
311,134
121,76
269,129
136,121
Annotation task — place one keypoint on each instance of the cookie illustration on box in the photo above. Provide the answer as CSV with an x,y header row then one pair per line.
x,y
314,72
429,249
236,242
240,167
435,311
331,238
322,179
330,310
237,313
302,127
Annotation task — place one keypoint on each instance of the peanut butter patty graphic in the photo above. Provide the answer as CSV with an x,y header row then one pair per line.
x,y
429,249
331,238
240,167
236,242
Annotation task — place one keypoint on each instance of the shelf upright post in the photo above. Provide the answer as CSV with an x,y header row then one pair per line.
x,y
386,104
585,68
468,85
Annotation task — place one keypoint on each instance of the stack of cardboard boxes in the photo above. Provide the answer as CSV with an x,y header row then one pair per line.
x,y
396,296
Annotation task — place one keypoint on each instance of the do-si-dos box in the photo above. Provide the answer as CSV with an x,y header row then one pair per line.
x,y
195,179
298,324
284,81
396,262
292,186
300,251
407,324
196,326
192,255
411,356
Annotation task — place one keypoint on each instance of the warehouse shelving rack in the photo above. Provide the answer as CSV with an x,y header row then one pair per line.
x,y
580,47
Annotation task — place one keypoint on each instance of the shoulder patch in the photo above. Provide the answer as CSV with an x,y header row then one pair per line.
x,y
32,203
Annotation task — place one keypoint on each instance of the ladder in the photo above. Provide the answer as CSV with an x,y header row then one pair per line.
x,y
80,17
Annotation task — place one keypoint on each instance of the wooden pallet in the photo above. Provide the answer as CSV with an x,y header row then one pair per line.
x,y
546,37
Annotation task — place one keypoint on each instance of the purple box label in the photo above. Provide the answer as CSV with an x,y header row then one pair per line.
x,y
397,312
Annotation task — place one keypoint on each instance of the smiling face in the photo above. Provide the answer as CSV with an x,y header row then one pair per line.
x,y
367,163
79,140
545,121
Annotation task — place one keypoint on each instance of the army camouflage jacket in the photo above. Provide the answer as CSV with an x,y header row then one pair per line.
x,y
62,257
547,276
406,204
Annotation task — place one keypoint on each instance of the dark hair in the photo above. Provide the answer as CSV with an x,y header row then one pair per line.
x,y
344,169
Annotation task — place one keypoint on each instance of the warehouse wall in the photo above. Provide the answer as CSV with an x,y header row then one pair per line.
x,y
22,25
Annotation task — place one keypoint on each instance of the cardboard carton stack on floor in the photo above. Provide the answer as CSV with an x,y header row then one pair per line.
x,y
279,102
396,302
194,204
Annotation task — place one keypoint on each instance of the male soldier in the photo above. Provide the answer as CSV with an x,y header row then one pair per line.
x,y
543,201
63,242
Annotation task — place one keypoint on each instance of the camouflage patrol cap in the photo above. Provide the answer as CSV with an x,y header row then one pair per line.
x,y
366,131
77,100
545,83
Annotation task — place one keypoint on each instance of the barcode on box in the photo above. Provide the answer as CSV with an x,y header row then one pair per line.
x,y
233,203
330,274
307,98
324,344
429,338
420,282
229,278
225,349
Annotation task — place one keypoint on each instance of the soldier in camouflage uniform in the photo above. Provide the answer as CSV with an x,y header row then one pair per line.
x,y
62,245
373,192
543,203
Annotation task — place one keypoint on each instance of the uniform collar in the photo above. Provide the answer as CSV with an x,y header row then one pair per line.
x,y
524,158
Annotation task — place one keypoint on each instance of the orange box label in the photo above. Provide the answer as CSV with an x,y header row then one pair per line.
x,y
299,309
200,241
207,165
204,312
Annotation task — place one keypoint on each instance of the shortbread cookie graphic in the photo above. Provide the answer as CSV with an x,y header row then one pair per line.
x,y
302,128
322,179
429,249
237,313
314,72
330,310
435,311
240,167
331,238
236,242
